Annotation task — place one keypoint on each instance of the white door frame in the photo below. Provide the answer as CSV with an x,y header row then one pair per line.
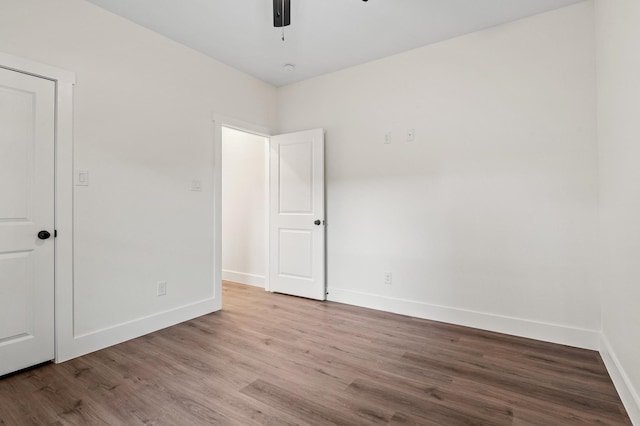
x,y
219,122
63,244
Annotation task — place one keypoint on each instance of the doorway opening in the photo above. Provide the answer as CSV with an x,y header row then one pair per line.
x,y
269,227
245,207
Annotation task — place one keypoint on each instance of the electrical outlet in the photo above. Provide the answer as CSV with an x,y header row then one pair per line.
x,y
387,138
162,288
387,278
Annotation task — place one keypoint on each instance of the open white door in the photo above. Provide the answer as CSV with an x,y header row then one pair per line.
x,y
26,220
297,232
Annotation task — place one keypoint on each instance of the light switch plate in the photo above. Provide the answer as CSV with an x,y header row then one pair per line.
x,y
162,288
82,177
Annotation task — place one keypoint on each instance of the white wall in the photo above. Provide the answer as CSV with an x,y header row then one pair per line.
x,y
488,218
618,42
143,128
244,207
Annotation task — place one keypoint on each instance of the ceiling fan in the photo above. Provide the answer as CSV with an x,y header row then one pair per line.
x,y
282,14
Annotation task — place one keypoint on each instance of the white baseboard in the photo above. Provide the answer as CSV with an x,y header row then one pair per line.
x,y
242,278
100,339
555,333
628,394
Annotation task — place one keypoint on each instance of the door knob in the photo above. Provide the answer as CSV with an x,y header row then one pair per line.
x,y
43,235
317,222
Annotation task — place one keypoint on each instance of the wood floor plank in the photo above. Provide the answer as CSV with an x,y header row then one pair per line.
x,y
528,409
271,359
307,410
510,380
435,403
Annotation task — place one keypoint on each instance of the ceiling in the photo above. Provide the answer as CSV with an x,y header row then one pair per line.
x,y
324,35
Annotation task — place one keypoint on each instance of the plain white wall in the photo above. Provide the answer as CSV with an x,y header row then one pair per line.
x,y
618,42
492,209
143,128
244,207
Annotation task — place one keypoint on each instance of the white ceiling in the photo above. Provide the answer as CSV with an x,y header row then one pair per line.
x,y
324,35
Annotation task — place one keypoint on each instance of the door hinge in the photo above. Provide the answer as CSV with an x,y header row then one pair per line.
x,y
55,233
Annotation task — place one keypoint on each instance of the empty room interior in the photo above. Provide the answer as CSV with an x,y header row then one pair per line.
x,y
316,212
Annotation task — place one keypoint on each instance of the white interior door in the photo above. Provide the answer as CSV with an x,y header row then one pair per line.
x,y
297,232
26,209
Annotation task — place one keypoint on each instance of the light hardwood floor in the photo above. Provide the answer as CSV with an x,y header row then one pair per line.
x,y
281,360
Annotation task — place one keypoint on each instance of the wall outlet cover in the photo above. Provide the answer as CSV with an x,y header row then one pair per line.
x,y
411,135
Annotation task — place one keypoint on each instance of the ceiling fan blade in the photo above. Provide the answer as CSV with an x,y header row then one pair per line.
x,y
281,13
